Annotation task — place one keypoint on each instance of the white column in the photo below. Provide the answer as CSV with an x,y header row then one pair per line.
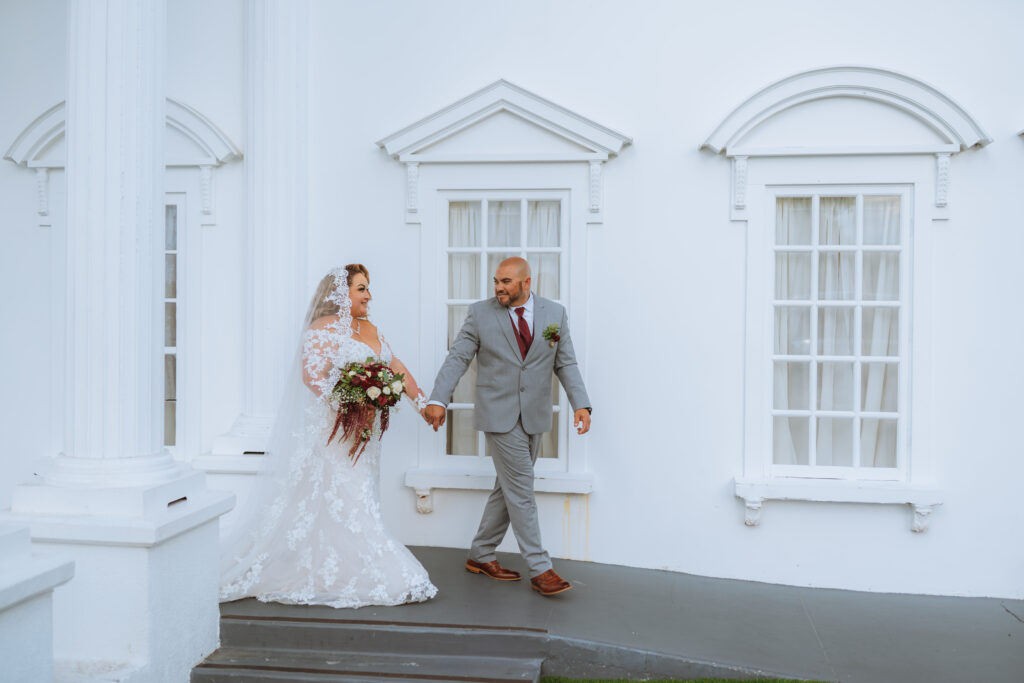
x,y
141,528
115,149
277,162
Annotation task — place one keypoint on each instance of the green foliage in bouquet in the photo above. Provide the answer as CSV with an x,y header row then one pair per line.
x,y
361,390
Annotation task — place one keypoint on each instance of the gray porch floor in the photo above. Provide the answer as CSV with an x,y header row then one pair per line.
x,y
809,633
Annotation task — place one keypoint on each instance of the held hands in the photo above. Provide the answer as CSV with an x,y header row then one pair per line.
x,y
581,421
435,415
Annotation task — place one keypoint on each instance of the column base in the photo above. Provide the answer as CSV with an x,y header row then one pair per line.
x,y
143,605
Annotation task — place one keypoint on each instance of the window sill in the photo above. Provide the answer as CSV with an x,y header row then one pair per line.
x,y
755,492
425,480
252,463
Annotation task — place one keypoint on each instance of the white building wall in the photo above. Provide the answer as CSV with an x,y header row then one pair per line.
x,y
666,270
26,417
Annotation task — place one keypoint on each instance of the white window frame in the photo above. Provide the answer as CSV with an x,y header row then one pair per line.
x,y
560,462
181,190
443,183
845,161
761,480
905,313
176,200
570,158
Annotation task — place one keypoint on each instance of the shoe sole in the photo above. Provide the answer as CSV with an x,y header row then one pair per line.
x,y
545,594
474,570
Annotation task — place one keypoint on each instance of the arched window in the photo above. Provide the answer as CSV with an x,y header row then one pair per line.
x,y
195,147
838,175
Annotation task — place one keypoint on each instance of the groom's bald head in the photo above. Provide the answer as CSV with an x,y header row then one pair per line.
x,y
520,266
512,282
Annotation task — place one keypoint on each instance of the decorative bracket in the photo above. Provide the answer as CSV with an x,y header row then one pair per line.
x,y
43,194
412,192
595,186
739,183
942,180
922,513
206,216
424,501
752,516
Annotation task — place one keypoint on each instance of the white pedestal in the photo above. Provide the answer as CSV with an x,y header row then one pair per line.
x,y
143,606
27,580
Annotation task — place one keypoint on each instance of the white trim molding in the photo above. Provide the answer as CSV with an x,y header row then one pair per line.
x,y
923,500
212,149
955,128
417,143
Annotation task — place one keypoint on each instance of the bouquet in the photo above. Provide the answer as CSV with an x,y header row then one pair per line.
x,y
362,390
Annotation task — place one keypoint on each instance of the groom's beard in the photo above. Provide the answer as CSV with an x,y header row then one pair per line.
x,y
509,295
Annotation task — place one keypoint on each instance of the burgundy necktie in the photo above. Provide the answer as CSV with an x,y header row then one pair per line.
x,y
524,337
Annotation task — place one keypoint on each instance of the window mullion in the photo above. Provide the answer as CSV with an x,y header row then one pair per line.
x,y
812,374
523,220
484,227
858,328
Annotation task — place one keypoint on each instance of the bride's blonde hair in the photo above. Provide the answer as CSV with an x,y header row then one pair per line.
x,y
325,304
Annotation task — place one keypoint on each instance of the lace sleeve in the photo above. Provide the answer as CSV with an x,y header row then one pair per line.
x,y
413,391
318,369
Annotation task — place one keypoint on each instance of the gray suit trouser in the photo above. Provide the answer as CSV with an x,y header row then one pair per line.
x,y
512,500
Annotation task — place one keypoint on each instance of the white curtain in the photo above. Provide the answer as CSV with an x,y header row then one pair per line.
x,y
543,230
837,226
464,221
504,232
835,328
879,384
792,329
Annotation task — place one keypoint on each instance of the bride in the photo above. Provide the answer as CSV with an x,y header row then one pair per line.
x,y
312,532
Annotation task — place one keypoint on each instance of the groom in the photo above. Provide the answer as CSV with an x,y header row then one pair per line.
x,y
513,409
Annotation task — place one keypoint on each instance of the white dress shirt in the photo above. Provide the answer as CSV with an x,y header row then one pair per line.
x,y
528,314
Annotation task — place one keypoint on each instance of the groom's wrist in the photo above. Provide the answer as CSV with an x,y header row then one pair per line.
x,y
436,403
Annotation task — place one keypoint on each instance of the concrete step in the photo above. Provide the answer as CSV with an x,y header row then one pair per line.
x,y
237,664
339,635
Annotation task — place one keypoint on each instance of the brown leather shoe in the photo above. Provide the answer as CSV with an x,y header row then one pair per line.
x,y
549,583
492,569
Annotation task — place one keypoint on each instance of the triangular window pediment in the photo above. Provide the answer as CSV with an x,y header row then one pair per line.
x,y
504,122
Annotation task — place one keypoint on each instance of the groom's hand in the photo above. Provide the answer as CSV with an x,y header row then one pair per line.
x,y
581,420
434,416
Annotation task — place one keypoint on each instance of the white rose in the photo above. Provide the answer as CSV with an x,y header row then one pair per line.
x,y
373,393
387,391
397,387
351,373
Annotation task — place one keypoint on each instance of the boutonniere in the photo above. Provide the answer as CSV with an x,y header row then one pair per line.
x,y
551,334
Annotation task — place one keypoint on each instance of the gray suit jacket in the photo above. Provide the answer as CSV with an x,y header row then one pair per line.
x,y
509,387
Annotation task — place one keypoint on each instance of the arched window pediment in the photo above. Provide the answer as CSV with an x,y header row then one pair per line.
x,y
192,140
954,128
845,111
37,145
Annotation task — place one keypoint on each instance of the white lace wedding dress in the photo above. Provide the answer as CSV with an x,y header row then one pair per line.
x,y
322,540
